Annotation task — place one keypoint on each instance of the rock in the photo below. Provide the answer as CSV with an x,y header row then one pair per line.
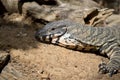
x,y
10,73
4,59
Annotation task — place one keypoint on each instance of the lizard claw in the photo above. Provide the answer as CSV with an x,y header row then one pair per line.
x,y
102,68
113,71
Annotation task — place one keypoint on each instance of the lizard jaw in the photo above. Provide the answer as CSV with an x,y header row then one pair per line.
x,y
44,36
51,38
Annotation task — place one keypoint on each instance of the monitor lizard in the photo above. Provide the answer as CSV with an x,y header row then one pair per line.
x,y
72,35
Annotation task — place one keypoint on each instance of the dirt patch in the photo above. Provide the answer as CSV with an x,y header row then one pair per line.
x,y
57,63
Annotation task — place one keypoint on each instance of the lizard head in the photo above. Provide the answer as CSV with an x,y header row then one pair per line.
x,y
52,31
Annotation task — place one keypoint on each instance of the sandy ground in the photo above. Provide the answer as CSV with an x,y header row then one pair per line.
x,y
39,61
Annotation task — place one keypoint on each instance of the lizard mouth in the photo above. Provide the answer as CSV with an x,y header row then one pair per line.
x,y
49,38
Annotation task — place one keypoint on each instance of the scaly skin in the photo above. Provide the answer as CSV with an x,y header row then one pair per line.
x,y
75,36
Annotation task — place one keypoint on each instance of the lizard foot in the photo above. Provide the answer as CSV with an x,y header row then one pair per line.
x,y
110,69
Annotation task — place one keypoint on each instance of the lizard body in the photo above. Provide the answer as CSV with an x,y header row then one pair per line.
x,y
75,36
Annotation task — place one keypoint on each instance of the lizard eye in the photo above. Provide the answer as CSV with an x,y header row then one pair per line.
x,y
53,29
